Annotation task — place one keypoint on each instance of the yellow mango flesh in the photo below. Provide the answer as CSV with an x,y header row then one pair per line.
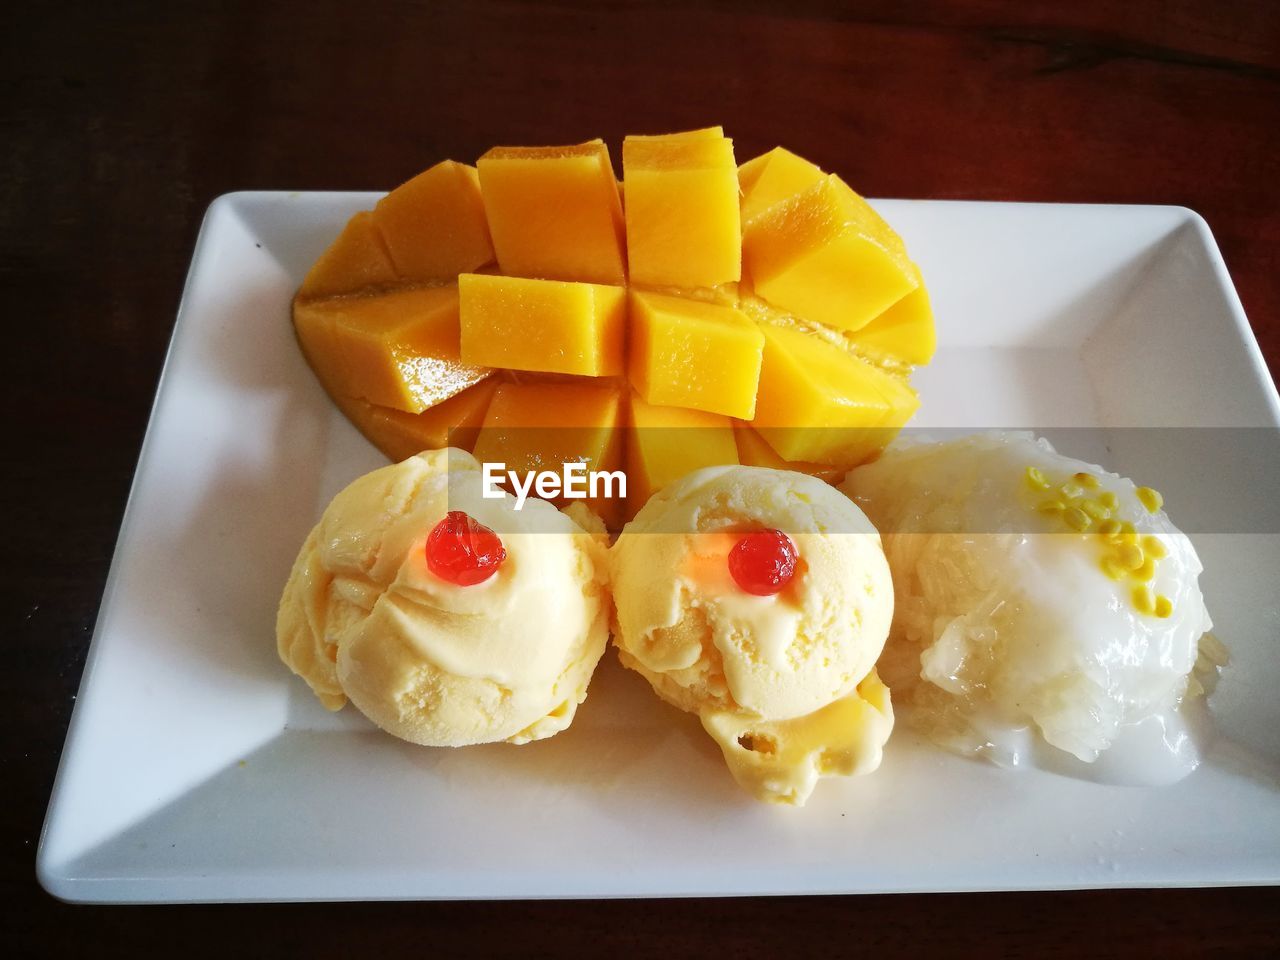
x,y
397,349
826,256
817,402
771,178
696,354
749,174
754,451
692,301
434,225
357,260
682,218
541,426
554,212
726,294
665,443
904,332
453,423
546,326
702,133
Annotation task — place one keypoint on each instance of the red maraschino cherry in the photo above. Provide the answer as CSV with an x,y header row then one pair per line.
x,y
462,550
764,562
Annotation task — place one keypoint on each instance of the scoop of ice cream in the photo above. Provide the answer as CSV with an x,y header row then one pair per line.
x,y
1034,592
364,617
708,646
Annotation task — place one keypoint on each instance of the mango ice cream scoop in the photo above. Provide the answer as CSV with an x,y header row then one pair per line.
x,y
446,617
759,599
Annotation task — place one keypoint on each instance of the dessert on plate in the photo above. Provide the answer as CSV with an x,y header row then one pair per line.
x,y
735,339
1047,612
759,600
446,617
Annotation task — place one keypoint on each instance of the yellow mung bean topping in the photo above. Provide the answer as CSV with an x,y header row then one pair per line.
x,y
1151,499
1126,555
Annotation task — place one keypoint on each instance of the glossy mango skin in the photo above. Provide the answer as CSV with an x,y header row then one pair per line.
x,y
767,308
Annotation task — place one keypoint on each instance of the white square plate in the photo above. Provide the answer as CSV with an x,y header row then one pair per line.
x,y
198,768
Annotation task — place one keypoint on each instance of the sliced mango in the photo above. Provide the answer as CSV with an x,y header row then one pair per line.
x,y
554,212
453,423
696,354
766,308
397,349
548,326
771,178
682,219
819,403
665,443
541,426
826,256
357,260
904,332
754,451
434,225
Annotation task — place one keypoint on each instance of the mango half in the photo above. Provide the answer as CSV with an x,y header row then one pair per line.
x,y
698,312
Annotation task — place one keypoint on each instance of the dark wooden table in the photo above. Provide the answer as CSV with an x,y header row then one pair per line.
x,y
121,121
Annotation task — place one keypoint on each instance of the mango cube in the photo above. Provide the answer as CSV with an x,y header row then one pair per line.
x,y
434,225
696,354
665,443
396,349
754,451
825,255
358,259
762,314
554,212
904,332
682,218
541,426
771,178
454,423
820,403
549,326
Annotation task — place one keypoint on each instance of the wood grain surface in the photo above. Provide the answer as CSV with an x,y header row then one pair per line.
x,y
120,122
